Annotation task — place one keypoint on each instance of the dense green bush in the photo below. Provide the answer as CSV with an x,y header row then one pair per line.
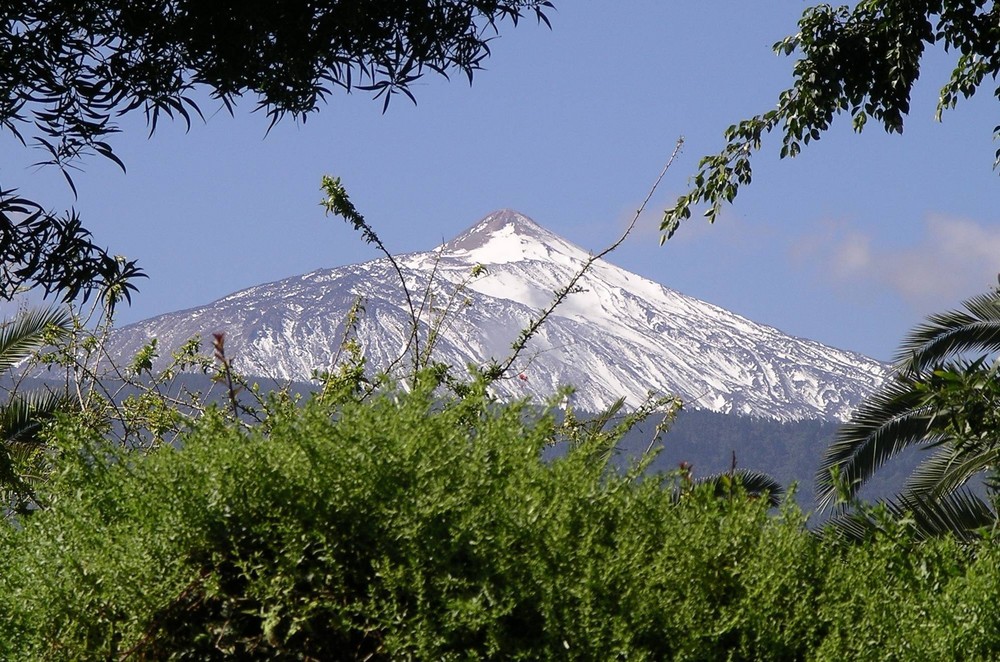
x,y
404,528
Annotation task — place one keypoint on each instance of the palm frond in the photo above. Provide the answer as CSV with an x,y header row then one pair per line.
x,y
26,333
950,468
947,334
755,484
941,398
891,420
849,527
21,417
960,513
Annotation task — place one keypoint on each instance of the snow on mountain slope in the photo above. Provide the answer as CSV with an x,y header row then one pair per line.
x,y
616,334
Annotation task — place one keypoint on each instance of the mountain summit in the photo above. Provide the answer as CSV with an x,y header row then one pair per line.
x,y
617,334
493,229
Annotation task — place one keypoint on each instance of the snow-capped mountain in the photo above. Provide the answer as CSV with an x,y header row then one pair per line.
x,y
617,334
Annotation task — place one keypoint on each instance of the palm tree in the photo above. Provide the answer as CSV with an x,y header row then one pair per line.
x,y
941,400
753,484
22,415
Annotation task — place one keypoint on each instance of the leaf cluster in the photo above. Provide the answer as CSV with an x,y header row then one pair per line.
x,y
57,254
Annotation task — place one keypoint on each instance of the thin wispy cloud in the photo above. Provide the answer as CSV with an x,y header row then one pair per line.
x,y
947,259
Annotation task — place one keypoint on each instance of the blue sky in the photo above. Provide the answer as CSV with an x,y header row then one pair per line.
x,y
851,243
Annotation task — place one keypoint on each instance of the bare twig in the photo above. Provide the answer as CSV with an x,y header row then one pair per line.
x,y
226,371
415,317
496,371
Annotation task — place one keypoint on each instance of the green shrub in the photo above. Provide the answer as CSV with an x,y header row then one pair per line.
x,y
405,528
398,528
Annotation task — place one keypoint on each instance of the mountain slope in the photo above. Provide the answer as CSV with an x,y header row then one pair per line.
x,y
616,334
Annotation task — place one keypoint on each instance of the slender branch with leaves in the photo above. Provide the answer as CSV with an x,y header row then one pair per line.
x,y
861,60
338,203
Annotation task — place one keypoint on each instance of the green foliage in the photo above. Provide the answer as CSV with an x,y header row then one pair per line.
x,y
938,400
398,527
405,527
23,414
861,60
875,599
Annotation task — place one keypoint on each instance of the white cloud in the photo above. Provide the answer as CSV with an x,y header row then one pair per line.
x,y
946,260
965,238
852,256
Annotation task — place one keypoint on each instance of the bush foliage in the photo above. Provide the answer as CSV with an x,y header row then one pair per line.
x,y
403,527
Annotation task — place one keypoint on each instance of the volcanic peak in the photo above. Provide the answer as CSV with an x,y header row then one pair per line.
x,y
503,222
507,236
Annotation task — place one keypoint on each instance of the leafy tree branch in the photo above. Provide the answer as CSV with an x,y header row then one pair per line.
x,y
861,61
69,69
